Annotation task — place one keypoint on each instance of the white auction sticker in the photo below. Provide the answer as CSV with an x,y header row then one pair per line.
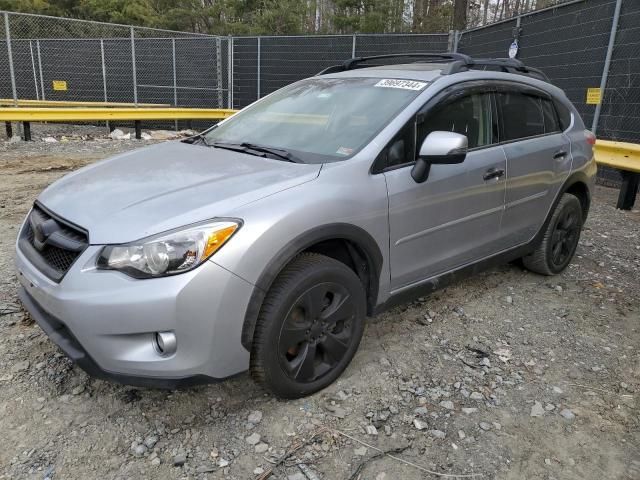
x,y
405,84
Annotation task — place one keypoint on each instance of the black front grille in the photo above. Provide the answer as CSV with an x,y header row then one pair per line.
x,y
57,245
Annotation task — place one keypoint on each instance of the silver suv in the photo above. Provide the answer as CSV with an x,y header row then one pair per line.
x,y
264,242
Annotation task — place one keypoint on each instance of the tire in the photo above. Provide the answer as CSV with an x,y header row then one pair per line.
x,y
309,326
560,238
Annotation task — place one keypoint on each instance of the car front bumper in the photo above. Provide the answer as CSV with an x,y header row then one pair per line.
x,y
106,321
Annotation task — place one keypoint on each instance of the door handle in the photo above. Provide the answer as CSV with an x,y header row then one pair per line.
x,y
493,173
559,154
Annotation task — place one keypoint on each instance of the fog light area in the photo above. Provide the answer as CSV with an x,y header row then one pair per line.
x,y
165,343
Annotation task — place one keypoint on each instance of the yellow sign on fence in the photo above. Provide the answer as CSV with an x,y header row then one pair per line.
x,y
60,85
594,96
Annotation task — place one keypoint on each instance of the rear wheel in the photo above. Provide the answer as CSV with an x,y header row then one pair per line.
x,y
309,327
560,238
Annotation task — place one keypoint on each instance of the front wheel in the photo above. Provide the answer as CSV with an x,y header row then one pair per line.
x,y
560,238
309,326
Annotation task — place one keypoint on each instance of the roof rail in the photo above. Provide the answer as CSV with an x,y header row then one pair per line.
x,y
507,65
456,63
356,62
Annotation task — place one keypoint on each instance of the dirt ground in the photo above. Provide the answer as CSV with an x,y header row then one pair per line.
x,y
507,375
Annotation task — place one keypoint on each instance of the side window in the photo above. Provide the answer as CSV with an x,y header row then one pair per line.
x,y
564,115
402,149
469,115
522,115
551,124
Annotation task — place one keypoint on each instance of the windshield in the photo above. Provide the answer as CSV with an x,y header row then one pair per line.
x,y
319,119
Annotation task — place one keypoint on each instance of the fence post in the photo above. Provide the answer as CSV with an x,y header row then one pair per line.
x,y
219,71
104,77
230,71
44,97
33,67
353,46
516,32
11,71
175,81
607,64
259,64
133,64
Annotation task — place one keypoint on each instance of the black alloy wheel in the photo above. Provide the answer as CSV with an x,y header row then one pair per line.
x,y
564,238
309,326
317,332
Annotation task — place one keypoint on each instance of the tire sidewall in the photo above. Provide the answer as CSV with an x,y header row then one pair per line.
x,y
329,271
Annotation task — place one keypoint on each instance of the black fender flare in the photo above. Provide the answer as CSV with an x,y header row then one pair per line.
x,y
367,248
577,177
582,178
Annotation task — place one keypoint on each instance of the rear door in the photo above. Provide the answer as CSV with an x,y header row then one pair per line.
x,y
538,159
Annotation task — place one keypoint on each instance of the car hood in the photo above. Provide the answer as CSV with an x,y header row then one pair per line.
x,y
166,186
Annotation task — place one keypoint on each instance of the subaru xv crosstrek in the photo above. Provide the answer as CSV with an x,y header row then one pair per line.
x,y
263,243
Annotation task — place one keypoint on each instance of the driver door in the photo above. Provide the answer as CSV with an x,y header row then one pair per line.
x,y
453,218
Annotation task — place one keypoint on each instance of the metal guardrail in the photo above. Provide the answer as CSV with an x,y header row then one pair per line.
x,y
63,114
618,155
626,158
9,102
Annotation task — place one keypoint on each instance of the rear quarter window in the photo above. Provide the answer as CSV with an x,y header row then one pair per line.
x,y
564,114
551,122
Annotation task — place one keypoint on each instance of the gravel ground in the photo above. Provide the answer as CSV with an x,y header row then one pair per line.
x,y
507,375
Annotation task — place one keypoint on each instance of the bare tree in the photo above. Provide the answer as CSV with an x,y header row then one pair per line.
x,y
419,7
460,8
485,11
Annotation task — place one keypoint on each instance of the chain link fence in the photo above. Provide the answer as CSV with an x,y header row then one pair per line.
x,y
569,43
75,60
620,114
264,64
49,58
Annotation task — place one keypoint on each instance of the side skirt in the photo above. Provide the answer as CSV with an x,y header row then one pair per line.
x,y
432,284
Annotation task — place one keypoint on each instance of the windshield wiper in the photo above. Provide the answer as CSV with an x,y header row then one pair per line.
x,y
198,139
251,148
278,152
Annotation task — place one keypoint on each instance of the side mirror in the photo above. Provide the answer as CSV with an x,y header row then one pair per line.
x,y
439,148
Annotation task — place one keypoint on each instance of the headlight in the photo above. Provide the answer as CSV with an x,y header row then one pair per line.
x,y
168,253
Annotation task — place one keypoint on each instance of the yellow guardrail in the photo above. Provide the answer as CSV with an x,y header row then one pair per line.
x,y
9,102
625,157
65,114
618,155
89,114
